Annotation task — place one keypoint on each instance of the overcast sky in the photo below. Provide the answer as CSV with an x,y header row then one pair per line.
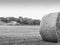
x,y
35,9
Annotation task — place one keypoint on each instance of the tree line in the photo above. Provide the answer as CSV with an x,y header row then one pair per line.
x,y
20,20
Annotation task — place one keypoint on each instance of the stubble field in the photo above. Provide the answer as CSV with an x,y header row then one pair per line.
x,y
22,35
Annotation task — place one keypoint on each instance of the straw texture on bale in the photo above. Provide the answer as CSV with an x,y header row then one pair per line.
x,y
50,27
58,27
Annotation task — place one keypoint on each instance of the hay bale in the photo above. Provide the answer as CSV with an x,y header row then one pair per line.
x,y
50,27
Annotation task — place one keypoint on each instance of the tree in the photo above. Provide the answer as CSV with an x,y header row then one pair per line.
x,y
36,22
20,20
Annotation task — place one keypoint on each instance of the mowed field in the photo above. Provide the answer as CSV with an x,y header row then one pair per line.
x,y
22,35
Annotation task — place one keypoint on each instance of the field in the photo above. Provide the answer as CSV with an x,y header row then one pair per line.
x,y
22,35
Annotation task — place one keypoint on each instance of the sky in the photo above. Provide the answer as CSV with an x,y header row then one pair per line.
x,y
34,9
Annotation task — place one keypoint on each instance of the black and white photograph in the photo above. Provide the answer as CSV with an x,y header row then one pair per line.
x,y
29,22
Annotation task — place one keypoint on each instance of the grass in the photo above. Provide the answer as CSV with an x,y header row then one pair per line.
x,y
22,35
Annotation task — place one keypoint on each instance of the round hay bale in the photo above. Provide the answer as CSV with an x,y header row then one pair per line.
x,y
50,27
